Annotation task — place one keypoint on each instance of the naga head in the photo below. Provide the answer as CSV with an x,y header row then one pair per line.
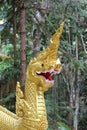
x,y
41,69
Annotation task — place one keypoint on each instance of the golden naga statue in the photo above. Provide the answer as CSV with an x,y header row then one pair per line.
x,y
30,105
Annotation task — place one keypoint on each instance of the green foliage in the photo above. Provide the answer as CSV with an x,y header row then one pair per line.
x,y
83,123
63,126
75,13
73,29
7,69
9,101
57,110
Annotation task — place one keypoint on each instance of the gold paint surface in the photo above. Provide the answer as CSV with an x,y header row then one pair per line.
x,y
30,105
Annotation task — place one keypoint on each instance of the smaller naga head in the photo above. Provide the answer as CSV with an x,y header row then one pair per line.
x,y
41,69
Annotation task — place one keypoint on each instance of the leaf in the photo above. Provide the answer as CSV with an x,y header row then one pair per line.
x,y
83,13
63,126
10,96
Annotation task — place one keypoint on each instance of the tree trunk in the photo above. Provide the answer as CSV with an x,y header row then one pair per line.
x,y
75,118
36,44
22,46
14,43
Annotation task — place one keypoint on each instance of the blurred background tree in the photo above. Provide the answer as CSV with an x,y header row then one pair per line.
x,y
25,30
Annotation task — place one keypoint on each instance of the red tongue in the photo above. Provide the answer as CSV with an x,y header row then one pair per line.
x,y
47,75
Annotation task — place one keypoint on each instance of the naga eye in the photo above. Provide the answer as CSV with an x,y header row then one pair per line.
x,y
42,65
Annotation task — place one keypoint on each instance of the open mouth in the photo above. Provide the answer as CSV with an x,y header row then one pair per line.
x,y
48,74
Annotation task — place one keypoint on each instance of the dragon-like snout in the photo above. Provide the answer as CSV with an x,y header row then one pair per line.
x,y
47,74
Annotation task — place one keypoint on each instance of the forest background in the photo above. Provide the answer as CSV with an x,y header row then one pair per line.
x,y
25,29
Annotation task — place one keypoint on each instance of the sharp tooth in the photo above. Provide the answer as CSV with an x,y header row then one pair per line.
x,y
52,74
48,81
46,71
57,72
38,72
51,70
